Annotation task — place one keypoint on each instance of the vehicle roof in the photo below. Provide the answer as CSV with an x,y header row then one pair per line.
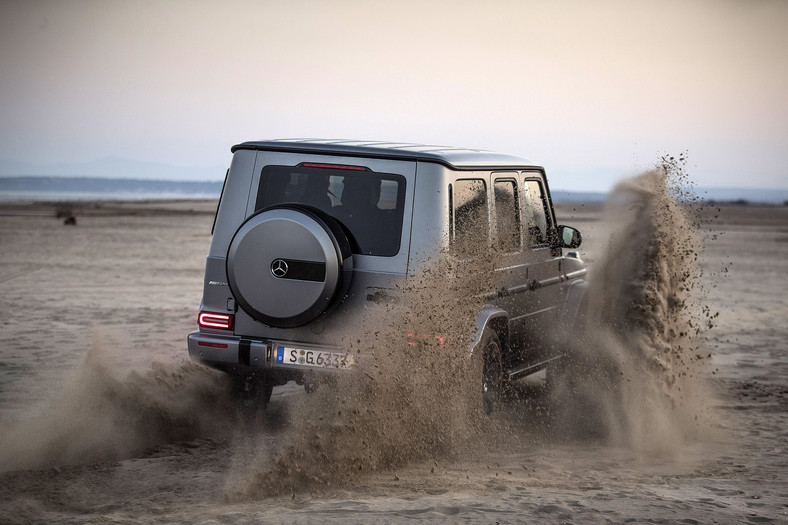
x,y
453,157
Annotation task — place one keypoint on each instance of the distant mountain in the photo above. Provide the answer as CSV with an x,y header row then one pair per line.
x,y
721,195
743,195
112,168
63,188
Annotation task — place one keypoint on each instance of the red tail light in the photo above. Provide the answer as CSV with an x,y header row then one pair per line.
x,y
210,320
424,340
212,345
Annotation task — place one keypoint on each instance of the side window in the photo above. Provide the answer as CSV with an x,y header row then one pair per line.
x,y
535,213
469,217
507,216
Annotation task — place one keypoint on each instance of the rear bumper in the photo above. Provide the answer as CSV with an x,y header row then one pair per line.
x,y
237,355
212,349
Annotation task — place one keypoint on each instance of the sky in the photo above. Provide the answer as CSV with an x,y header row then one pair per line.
x,y
592,90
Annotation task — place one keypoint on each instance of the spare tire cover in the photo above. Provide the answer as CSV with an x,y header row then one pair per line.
x,y
288,264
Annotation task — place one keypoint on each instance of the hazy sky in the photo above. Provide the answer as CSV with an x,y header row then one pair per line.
x,y
592,90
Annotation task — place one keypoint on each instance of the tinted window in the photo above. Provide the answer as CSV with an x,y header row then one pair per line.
x,y
369,205
535,213
507,216
469,214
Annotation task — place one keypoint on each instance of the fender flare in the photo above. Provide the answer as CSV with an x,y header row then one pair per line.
x,y
488,315
576,296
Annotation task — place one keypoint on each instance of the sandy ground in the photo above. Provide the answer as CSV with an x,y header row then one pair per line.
x,y
104,421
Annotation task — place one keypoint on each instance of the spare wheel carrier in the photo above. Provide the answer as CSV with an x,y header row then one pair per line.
x,y
289,263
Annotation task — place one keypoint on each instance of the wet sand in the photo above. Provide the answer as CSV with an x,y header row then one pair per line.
x,y
125,430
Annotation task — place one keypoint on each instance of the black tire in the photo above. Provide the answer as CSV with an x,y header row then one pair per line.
x,y
253,393
494,380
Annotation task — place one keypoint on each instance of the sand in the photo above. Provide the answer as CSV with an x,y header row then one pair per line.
x,y
103,419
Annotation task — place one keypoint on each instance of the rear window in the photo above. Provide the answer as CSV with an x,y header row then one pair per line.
x,y
469,217
369,205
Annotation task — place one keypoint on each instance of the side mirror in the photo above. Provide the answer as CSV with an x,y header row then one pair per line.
x,y
568,237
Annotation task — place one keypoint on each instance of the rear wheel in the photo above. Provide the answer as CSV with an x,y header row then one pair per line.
x,y
493,376
253,393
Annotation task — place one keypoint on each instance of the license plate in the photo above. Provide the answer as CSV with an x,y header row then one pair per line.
x,y
289,355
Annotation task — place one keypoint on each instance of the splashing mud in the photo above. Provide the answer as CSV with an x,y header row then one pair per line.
x,y
632,377
411,400
97,416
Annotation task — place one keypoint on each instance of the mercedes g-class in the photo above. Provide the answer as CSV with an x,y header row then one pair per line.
x,y
309,234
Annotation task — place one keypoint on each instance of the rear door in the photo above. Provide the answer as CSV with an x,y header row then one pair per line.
x,y
510,262
325,182
544,269
303,177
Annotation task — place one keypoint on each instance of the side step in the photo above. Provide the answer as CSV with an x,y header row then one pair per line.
x,y
526,370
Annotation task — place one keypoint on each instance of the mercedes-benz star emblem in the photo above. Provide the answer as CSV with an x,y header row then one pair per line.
x,y
279,268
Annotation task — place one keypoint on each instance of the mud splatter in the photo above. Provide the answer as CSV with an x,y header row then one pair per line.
x,y
632,377
104,414
635,376
413,399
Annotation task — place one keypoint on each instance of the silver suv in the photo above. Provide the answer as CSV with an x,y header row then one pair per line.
x,y
311,236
